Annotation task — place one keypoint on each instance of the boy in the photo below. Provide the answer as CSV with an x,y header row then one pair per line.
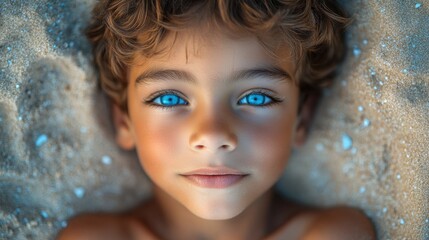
x,y
213,95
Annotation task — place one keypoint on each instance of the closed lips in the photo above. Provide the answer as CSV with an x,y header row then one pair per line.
x,y
214,180
211,172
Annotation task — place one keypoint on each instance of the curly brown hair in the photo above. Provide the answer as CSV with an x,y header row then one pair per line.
x,y
312,29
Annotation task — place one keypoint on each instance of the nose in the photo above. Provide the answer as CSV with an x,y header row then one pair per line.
x,y
212,134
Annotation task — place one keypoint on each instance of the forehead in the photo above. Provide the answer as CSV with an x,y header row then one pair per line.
x,y
203,48
196,40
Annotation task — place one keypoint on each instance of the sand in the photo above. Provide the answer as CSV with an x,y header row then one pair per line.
x,y
368,147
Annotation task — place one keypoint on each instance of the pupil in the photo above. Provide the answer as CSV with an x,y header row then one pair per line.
x,y
256,99
169,100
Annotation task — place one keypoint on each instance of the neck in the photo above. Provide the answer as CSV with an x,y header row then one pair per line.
x,y
252,223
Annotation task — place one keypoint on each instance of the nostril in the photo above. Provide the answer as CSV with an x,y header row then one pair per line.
x,y
225,147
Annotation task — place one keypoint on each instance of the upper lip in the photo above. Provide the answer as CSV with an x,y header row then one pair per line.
x,y
214,171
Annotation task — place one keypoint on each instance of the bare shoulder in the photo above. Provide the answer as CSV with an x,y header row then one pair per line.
x,y
339,223
309,223
96,226
107,226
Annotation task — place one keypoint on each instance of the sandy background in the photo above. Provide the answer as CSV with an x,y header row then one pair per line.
x,y
368,147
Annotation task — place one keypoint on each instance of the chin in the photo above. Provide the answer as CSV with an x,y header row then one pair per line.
x,y
216,212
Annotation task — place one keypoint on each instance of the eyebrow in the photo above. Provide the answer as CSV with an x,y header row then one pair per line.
x,y
160,75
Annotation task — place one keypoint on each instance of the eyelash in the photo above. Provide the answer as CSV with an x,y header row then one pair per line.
x,y
274,100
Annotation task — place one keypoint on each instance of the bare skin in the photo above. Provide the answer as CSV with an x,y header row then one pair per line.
x,y
286,220
215,121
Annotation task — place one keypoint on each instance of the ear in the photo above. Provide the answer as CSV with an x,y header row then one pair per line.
x,y
124,134
305,116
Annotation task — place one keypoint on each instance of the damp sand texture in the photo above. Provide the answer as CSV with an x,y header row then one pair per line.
x,y
368,146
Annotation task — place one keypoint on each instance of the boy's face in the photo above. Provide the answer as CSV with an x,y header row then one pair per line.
x,y
215,120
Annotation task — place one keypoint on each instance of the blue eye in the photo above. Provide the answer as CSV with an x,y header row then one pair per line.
x,y
170,99
167,99
260,98
256,99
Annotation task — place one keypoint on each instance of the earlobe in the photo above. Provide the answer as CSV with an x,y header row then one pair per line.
x,y
124,135
305,117
300,134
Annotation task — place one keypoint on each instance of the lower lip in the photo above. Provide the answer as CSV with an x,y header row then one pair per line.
x,y
214,181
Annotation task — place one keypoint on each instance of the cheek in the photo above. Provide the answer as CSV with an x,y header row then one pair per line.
x,y
158,143
270,144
